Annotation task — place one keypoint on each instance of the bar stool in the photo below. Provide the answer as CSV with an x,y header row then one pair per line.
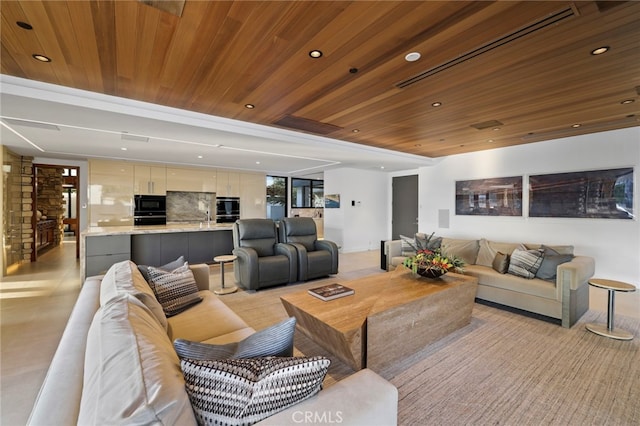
x,y
222,260
609,330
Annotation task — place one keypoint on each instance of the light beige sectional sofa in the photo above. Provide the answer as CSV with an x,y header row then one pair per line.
x,y
116,364
565,298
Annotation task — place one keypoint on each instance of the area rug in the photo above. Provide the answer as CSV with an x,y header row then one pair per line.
x,y
508,369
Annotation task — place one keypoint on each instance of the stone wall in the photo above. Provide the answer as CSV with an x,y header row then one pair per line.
x,y
49,199
17,207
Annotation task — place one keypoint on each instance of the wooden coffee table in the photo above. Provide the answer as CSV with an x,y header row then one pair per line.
x,y
391,316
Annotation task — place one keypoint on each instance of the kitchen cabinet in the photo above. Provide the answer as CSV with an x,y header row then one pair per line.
x,y
228,184
103,251
196,247
110,193
253,195
150,180
191,180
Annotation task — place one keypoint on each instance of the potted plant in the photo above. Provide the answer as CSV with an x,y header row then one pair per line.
x,y
430,261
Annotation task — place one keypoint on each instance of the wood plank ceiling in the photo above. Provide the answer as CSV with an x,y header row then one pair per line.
x,y
505,73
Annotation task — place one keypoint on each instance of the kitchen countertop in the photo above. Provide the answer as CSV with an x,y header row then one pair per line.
x,y
154,229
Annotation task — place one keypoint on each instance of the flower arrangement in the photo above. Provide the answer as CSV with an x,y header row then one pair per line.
x,y
430,261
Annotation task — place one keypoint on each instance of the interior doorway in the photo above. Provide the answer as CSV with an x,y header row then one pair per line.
x,y
56,208
404,205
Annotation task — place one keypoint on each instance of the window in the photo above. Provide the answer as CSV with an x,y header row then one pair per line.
x,y
307,193
276,197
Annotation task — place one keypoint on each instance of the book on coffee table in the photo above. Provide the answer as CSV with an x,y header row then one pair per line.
x,y
331,291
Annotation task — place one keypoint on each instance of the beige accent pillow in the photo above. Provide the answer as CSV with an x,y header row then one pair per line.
x,y
467,250
501,263
124,277
132,374
489,249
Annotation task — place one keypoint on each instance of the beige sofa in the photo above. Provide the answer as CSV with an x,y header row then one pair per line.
x,y
566,298
140,380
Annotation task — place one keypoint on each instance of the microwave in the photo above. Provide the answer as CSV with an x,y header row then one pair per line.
x,y
227,209
150,203
150,210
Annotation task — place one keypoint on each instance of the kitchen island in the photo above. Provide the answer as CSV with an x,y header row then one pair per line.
x,y
101,247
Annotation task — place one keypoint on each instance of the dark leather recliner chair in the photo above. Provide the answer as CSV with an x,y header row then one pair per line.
x,y
262,261
316,258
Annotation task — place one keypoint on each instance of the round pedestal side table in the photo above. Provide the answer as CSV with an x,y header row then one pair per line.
x,y
222,260
609,330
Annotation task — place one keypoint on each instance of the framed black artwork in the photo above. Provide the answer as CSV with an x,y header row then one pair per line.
x,y
606,194
489,197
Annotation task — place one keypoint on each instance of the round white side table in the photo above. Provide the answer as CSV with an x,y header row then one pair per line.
x,y
609,330
222,260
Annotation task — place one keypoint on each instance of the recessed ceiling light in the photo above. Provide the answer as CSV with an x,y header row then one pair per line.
x,y
382,167
495,129
315,54
575,126
490,140
199,156
257,162
41,58
628,101
24,25
123,149
412,57
356,130
600,50
436,104
249,106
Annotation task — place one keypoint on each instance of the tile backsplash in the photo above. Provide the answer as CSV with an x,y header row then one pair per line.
x,y
185,206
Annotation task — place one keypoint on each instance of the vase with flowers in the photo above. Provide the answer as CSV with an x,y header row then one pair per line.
x,y
429,261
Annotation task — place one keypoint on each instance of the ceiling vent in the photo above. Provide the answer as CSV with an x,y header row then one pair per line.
x,y
491,124
34,124
550,20
174,7
127,137
306,125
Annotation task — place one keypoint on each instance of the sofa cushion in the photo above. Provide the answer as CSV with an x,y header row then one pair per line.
x,y
276,340
525,263
488,277
260,387
209,321
488,250
175,290
408,245
124,277
132,374
548,268
501,263
467,250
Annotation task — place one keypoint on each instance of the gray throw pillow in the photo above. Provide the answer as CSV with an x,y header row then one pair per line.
x,y
525,263
548,268
276,340
144,269
260,387
175,290
501,262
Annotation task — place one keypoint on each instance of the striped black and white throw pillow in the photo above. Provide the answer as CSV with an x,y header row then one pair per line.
x,y
245,391
276,340
525,263
175,290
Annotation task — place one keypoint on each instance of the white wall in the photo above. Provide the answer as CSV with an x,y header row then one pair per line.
x,y
614,243
363,226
